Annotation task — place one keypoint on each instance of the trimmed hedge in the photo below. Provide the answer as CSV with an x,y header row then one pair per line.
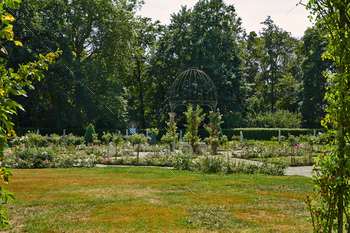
x,y
248,133
267,133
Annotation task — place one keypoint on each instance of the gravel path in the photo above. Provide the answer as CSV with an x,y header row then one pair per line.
x,y
290,171
299,171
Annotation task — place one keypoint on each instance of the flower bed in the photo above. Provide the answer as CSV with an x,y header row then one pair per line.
x,y
47,159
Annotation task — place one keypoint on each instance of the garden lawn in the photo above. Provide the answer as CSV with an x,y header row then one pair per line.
x,y
141,199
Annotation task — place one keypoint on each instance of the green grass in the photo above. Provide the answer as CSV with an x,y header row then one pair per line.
x,y
117,199
274,143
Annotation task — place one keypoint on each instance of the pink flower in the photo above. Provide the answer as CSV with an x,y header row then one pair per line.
x,y
298,146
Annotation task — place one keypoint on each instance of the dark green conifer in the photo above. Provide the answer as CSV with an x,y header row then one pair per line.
x,y
88,134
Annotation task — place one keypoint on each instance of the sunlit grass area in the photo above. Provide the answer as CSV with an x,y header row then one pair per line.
x,y
139,199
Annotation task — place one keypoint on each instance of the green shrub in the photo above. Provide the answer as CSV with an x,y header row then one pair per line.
x,y
74,140
277,168
45,159
117,139
233,120
56,139
88,134
183,161
14,141
153,132
137,139
30,159
194,118
278,119
171,136
223,164
211,164
293,141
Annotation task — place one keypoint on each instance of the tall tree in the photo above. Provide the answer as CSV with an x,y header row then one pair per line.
x,y
138,83
252,53
48,105
290,85
86,83
205,37
274,59
102,48
272,73
252,56
314,84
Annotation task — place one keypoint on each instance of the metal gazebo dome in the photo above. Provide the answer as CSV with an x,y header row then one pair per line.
x,y
193,86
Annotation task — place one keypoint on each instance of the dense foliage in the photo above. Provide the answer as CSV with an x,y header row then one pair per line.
x,y
330,206
13,83
117,66
194,118
214,131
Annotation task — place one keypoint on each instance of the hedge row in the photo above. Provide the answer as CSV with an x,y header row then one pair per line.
x,y
266,134
248,133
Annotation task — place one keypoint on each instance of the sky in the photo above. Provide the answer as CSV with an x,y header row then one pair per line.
x,y
284,13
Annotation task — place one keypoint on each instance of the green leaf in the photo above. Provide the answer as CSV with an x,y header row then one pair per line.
x,y
14,4
11,197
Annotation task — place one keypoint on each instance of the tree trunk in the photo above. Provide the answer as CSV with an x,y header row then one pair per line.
x,y
142,105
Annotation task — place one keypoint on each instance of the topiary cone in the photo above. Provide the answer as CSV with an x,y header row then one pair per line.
x,y
88,134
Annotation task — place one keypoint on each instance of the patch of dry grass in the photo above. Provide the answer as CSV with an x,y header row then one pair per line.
x,y
117,199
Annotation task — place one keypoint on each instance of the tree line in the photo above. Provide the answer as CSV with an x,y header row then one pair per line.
x,y
117,66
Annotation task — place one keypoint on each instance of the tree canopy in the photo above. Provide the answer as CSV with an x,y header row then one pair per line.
x,y
117,66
